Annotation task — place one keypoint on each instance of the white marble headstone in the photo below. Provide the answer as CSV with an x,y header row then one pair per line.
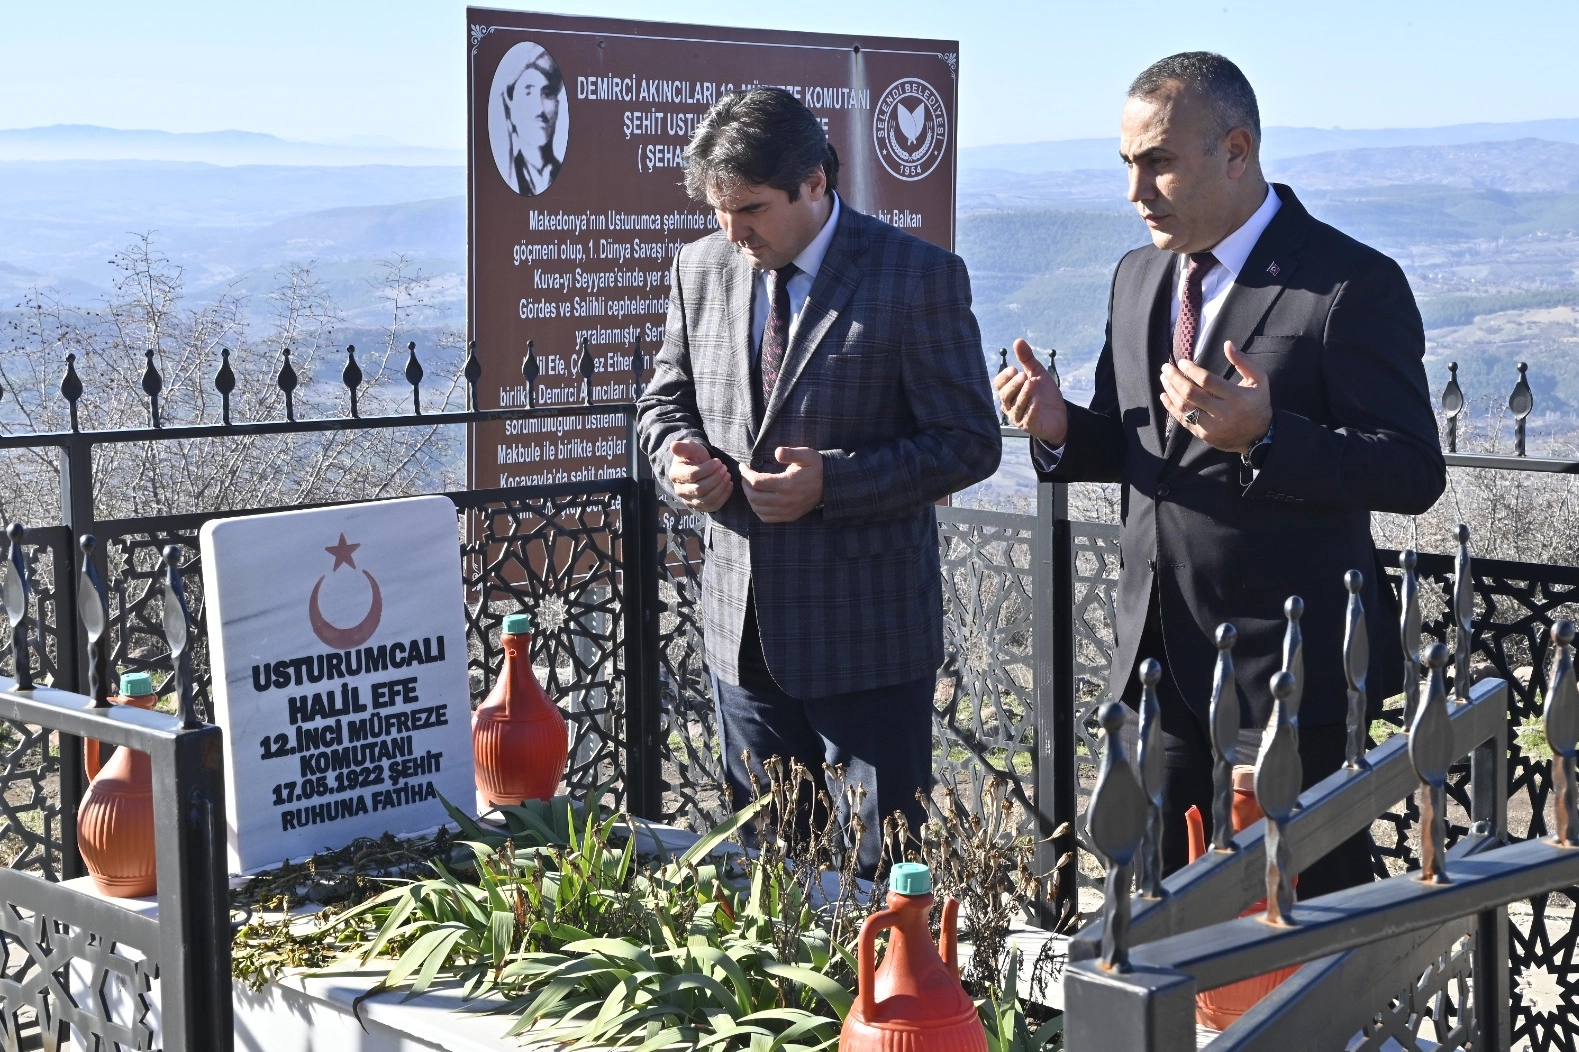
x,y
338,642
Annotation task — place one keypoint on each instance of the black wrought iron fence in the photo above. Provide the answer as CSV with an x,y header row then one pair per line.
x,y
614,575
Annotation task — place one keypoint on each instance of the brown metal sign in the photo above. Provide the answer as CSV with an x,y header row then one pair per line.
x,y
576,139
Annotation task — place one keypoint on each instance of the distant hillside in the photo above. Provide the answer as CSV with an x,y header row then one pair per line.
x,y
80,142
1278,143
1520,165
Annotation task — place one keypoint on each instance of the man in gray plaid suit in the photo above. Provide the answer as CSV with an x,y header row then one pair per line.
x,y
821,386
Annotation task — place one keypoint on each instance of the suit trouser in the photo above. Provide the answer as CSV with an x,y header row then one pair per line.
x,y
1187,777
882,738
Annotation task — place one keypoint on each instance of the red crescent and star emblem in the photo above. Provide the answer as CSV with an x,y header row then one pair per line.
x,y
354,636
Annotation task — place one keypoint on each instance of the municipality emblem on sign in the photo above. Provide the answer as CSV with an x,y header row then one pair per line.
x,y
910,128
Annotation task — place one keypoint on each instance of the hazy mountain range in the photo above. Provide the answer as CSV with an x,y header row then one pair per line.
x,y
1484,218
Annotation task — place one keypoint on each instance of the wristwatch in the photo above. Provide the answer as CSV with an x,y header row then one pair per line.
x,y
1256,455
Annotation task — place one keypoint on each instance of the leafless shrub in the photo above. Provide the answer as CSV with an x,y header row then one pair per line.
x,y
149,322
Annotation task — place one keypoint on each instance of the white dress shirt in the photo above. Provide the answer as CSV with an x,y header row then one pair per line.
x,y
809,261
1231,253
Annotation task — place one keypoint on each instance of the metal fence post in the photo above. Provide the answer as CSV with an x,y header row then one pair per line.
x,y
1053,643
194,896
1488,776
643,697
76,512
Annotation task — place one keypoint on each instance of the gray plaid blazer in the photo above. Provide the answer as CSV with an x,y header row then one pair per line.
x,y
885,375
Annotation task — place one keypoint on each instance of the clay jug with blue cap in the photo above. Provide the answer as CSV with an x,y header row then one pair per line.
x,y
115,824
914,1002
520,739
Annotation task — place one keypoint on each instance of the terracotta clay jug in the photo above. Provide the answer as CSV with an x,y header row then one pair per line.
x,y
519,737
914,1002
1221,1007
115,824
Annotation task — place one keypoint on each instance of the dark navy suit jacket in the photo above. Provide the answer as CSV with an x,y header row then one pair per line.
x,y
1334,325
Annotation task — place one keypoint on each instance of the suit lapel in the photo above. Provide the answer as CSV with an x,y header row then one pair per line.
x,y
1266,273
1156,288
739,284
836,279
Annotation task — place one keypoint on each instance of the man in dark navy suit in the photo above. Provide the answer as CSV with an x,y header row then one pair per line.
x,y
1260,393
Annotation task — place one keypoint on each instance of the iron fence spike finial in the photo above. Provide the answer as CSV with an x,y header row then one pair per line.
x,y
1151,756
414,377
529,372
1225,739
1279,773
638,366
1463,614
94,612
286,382
17,591
153,383
1431,752
177,623
1294,656
1452,406
224,383
1409,634
586,368
473,373
1561,725
1003,363
1356,666
1521,403
351,376
71,388
1116,820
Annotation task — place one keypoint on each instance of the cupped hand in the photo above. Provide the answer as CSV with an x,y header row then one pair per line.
x,y
697,477
1031,399
787,495
1230,416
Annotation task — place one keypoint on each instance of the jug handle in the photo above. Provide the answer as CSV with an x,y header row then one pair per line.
x,y
510,657
1195,826
866,962
90,757
948,935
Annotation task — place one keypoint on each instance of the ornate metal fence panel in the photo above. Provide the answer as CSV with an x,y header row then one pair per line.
x,y
692,771
1515,606
984,724
1094,566
558,557
133,569
1434,1013
30,809
88,985
985,717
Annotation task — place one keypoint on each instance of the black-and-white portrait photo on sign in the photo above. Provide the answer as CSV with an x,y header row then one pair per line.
x,y
528,118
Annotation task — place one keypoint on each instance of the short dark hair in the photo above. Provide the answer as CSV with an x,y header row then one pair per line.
x,y
1221,83
761,137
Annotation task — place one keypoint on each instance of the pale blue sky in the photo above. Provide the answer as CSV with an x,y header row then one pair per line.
x,y
331,70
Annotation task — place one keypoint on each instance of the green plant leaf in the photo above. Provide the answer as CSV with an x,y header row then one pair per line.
x,y
470,830
838,998
501,937
723,831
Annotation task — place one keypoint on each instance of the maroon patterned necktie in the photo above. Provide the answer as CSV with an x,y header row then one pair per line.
x,y
1188,327
775,334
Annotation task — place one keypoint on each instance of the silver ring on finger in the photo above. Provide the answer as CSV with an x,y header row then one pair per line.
x,y
1193,417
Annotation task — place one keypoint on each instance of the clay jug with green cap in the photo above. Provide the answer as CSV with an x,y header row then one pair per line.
x,y
115,824
519,737
914,1002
